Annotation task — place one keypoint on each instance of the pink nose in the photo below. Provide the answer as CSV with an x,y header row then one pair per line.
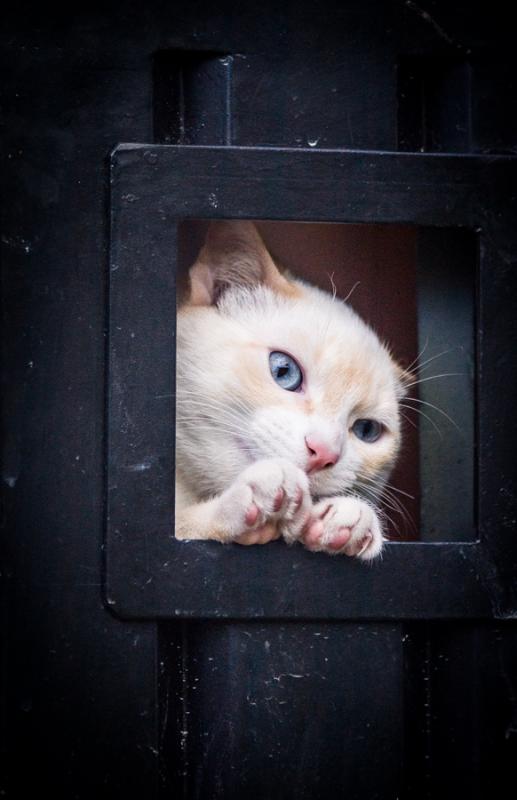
x,y
320,454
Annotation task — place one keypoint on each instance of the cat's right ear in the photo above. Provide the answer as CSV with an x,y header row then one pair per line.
x,y
233,255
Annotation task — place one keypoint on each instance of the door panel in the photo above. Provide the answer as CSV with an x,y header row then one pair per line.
x,y
282,710
107,688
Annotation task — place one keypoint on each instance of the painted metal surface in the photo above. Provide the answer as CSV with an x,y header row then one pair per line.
x,y
149,573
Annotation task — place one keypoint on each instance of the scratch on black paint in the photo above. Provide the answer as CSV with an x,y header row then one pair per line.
x,y
425,15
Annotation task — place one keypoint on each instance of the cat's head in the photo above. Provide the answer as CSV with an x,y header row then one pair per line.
x,y
269,366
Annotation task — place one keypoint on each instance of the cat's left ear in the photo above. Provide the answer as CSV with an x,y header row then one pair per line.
x,y
233,255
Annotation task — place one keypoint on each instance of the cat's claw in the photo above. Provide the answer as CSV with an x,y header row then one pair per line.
x,y
268,500
345,525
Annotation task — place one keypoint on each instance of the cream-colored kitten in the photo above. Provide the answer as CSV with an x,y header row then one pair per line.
x,y
287,406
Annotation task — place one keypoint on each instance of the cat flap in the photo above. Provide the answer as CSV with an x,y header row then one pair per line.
x,y
233,255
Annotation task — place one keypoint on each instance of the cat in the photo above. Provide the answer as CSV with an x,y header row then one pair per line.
x,y
287,406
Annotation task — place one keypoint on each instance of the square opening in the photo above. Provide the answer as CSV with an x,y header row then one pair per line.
x,y
415,286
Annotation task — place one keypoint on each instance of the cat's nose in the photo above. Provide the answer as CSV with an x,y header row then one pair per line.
x,y
321,454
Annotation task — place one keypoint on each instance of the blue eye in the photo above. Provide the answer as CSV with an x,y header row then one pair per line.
x,y
285,371
368,430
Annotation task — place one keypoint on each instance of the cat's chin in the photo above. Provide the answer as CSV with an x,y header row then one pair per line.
x,y
325,485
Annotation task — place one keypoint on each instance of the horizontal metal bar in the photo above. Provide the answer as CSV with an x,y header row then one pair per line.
x,y
330,185
209,580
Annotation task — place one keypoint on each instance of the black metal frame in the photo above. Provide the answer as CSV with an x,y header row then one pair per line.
x,y
149,574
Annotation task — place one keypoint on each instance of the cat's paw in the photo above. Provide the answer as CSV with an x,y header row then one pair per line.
x,y
344,525
268,500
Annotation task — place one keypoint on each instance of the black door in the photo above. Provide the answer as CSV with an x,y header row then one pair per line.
x,y
138,666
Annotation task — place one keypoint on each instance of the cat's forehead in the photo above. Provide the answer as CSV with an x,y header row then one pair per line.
x,y
342,358
326,328
346,373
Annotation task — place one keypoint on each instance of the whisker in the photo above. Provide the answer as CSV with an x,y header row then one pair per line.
x,y
334,290
434,377
206,408
195,398
208,414
195,409
393,504
205,423
426,416
396,504
400,491
436,408
421,353
352,290
210,423
252,451
398,510
425,363
386,489
410,421
379,491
